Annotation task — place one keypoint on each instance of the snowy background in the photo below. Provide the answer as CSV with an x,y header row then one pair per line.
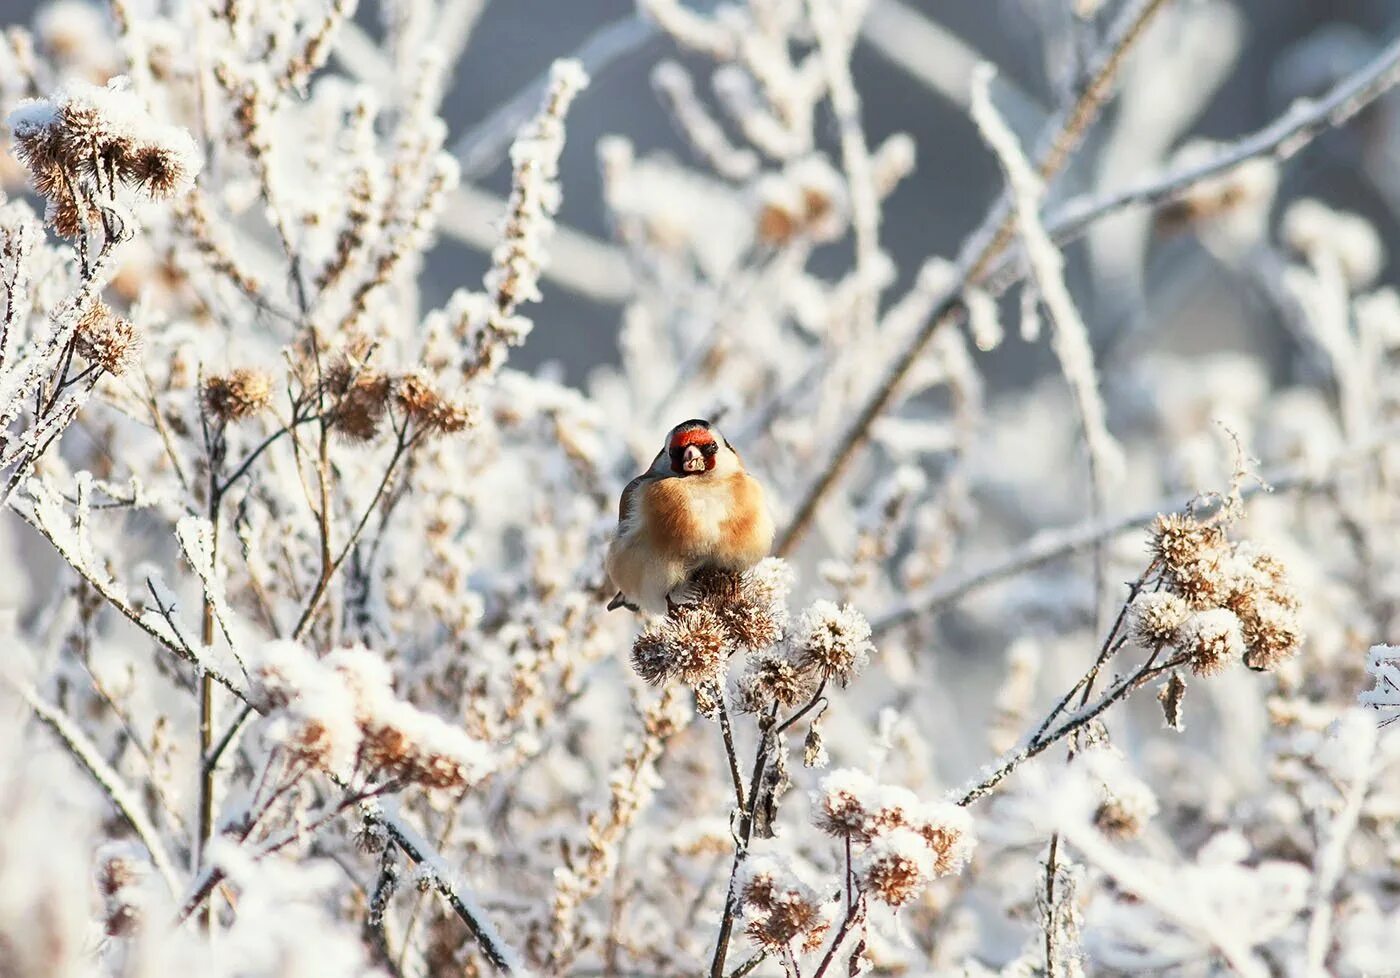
x,y
331,332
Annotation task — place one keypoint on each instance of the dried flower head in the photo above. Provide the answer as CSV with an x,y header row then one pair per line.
x,y
106,339
774,677
751,605
85,141
893,808
1272,634
237,395
780,906
895,867
1157,615
690,645
360,404
947,831
1212,639
843,803
834,641
428,408
1180,540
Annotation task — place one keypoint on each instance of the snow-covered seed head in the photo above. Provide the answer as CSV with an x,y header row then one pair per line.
x,y
774,677
85,140
1119,819
752,605
834,641
1212,639
237,395
780,906
843,802
895,867
1202,582
427,407
947,831
689,645
1180,540
1266,606
1272,635
1157,616
791,916
893,808
106,339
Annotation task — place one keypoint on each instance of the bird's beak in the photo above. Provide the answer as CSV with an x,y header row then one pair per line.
x,y
693,460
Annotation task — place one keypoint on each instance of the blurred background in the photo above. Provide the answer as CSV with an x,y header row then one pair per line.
x,y
1228,71
912,67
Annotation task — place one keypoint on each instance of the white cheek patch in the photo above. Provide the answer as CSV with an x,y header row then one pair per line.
x,y
694,460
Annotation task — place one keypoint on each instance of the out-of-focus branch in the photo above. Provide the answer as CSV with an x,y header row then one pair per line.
x,y
87,754
579,262
1049,545
1039,742
982,248
835,50
1281,139
501,955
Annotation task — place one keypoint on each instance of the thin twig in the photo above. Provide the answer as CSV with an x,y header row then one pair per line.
x,y
1149,671
1049,545
727,730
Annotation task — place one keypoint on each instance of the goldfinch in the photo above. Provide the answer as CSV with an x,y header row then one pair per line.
x,y
694,507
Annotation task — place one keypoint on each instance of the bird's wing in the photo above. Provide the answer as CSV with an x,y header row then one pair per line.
x,y
627,503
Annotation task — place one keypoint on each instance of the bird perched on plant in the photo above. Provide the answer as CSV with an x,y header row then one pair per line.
x,y
695,507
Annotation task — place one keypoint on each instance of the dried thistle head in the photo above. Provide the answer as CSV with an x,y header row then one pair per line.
x,y
1272,635
774,677
238,394
791,916
842,804
1119,820
752,604
895,867
428,408
894,807
690,644
160,171
86,141
1212,639
779,905
832,640
1157,616
947,831
106,339
359,407
1180,540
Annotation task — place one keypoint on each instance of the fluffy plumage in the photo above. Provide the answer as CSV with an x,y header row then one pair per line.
x,y
694,507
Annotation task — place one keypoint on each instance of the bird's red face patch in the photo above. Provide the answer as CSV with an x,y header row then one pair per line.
x,y
692,450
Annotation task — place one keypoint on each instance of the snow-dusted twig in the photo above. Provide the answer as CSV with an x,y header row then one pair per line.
x,y
1070,337
452,889
1047,545
1281,139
